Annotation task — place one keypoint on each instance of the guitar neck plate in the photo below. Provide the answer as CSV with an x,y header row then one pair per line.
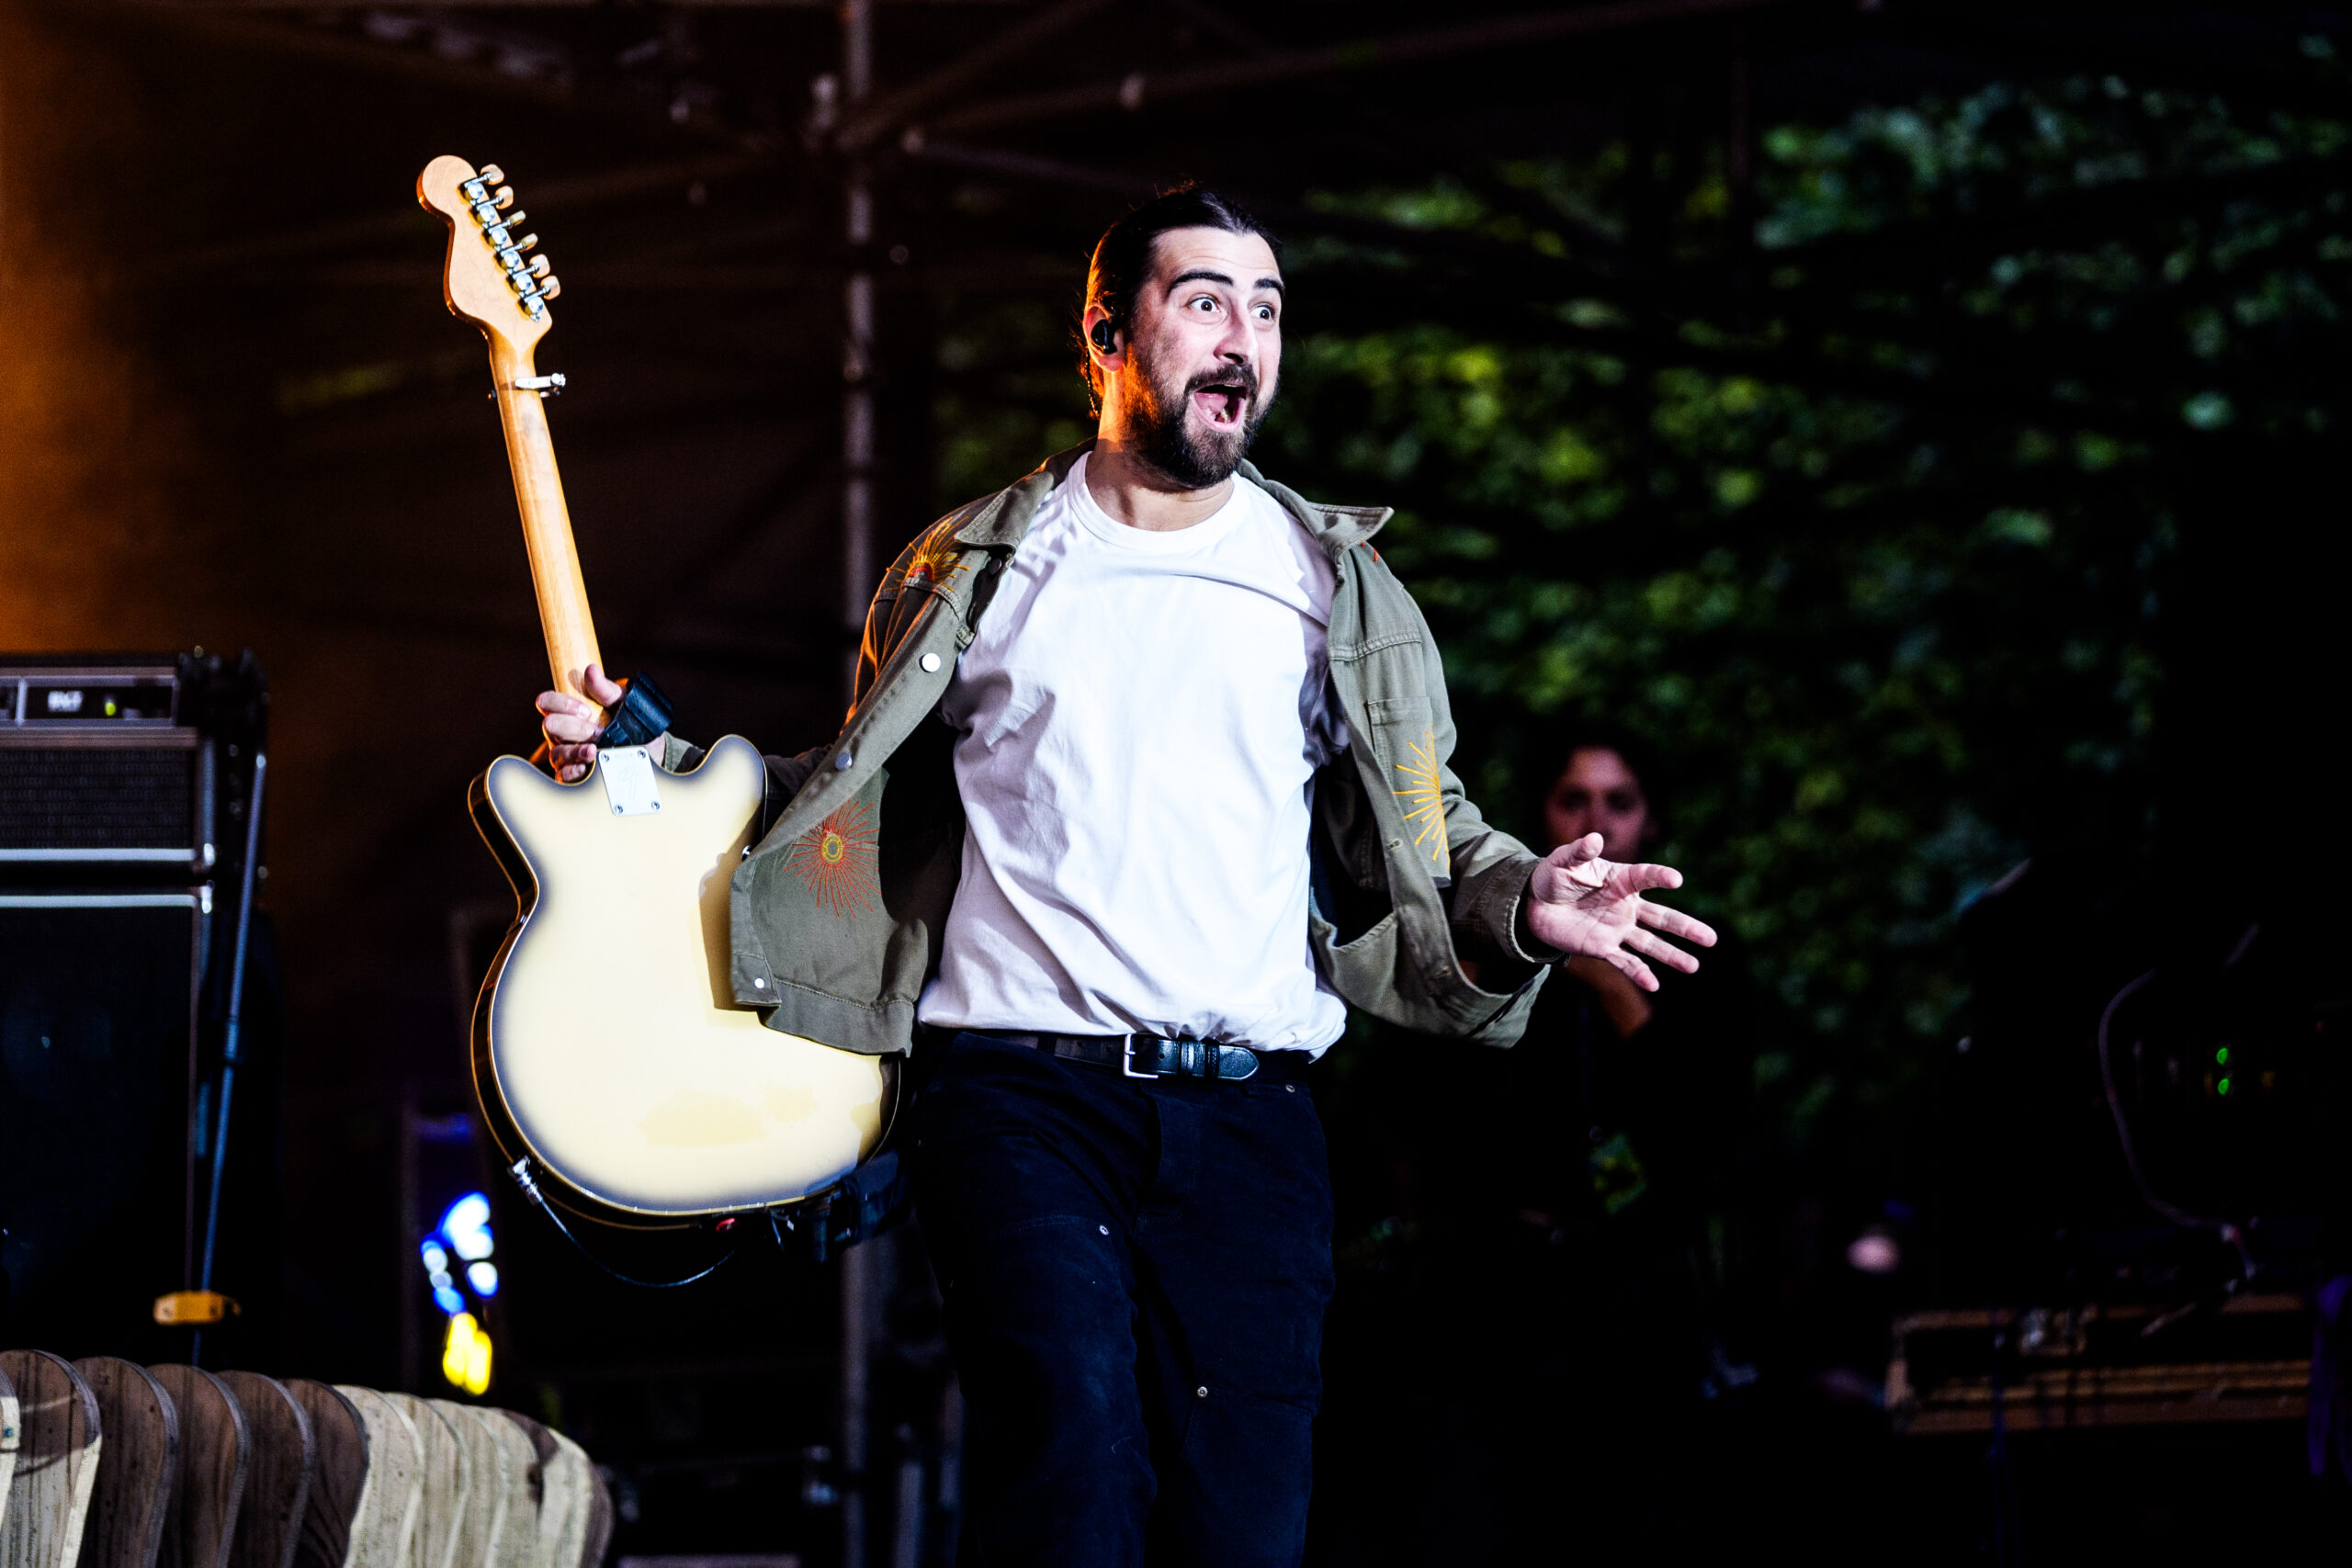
x,y
630,775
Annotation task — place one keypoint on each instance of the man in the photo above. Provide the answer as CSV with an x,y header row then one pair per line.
x,y
1143,782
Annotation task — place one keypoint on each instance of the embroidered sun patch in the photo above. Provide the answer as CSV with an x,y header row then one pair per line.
x,y
937,561
1424,797
835,862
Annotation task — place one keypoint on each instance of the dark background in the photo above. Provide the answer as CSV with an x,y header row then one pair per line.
x,y
233,413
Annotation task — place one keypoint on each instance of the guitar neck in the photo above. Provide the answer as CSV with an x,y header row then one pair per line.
x,y
546,521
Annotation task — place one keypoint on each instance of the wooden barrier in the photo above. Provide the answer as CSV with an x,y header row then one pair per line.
x,y
107,1465
278,1475
58,1444
137,1468
200,1523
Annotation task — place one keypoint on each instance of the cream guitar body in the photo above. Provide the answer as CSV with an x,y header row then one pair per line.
x,y
615,1070
606,1040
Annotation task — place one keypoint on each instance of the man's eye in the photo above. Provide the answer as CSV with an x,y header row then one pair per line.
x,y
1623,800
1205,303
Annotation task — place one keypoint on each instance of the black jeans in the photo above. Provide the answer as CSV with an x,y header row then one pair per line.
x,y
1136,1274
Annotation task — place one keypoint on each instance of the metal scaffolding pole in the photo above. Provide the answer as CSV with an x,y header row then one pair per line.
x,y
857,1264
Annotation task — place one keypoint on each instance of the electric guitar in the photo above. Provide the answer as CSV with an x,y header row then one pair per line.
x,y
616,1072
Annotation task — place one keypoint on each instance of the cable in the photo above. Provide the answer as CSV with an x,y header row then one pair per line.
x,y
230,1042
521,1171
2227,1230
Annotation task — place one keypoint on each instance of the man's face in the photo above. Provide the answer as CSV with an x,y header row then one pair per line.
x,y
1204,348
1596,792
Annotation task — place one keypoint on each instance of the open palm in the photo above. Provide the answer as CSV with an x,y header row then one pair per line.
x,y
1579,903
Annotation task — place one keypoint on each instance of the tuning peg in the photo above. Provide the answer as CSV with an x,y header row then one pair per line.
x,y
550,287
493,174
504,197
527,241
538,267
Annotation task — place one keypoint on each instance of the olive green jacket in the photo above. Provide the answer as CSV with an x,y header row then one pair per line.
x,y
837,910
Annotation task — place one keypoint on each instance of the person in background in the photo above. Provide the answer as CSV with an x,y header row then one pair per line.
x,y
1576,1198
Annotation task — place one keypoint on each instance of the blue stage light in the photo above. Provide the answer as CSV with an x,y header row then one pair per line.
x,y
467,1225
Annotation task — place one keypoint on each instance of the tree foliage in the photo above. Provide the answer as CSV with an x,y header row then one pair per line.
x,y
1852,489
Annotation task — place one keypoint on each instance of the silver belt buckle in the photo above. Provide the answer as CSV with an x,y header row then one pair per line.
x,y
1128,1060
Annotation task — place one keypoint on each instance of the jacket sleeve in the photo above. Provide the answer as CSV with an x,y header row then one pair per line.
x,y
1490,869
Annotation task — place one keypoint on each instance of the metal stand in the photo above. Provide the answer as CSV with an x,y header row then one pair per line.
x,y
228,1044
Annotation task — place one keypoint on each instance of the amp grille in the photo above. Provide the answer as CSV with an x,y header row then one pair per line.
x,y
96,798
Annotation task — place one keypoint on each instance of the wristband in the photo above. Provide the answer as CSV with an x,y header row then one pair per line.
x,y
641,715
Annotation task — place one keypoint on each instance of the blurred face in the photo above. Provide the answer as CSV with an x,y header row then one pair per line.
x,y
1596,792
1197,372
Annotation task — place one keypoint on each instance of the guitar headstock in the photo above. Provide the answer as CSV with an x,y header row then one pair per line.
x,y
491,278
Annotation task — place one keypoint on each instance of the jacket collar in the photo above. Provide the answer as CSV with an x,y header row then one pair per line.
x,y
1001,521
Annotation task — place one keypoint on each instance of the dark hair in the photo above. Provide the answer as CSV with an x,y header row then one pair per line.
x,y
1122,256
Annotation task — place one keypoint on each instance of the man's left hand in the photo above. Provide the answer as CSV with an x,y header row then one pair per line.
x,y
1579,903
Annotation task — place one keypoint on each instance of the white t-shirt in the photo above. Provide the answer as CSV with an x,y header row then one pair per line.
x,y
1141,716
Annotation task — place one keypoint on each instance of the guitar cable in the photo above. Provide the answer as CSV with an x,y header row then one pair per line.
x,y
521,1171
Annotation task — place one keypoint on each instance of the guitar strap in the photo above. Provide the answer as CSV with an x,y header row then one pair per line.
x,y
642,714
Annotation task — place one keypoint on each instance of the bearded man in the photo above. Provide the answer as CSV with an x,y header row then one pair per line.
x,y
1145,784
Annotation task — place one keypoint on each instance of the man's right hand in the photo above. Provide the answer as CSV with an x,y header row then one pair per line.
x,y
571,724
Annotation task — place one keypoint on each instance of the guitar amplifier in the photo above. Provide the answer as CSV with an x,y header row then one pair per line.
x,y
114,764
123,788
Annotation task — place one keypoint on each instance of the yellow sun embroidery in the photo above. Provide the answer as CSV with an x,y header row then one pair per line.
x,y
1424,797
937,561
835,862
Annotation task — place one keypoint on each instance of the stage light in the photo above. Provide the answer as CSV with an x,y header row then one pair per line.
x,y
1874,1252
465,1354
454,1346
467,1225
2221,1088
436,1262
446,1298
2221,1057
483,1278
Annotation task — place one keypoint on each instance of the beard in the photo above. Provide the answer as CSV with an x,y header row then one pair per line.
x,y
1164,422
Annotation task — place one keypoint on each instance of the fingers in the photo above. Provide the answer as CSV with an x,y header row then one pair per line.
x,y
1641,878
594,681
1632,968
1664,952
1674,922
571,763
566,719
1578,853
1569,872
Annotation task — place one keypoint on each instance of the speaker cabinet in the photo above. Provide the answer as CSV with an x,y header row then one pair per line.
x,y
99,1193
125,783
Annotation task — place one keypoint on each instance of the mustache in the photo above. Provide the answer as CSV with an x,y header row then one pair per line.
x,y
1240,377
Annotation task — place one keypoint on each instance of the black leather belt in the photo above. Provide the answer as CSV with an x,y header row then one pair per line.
x,y
1152,1056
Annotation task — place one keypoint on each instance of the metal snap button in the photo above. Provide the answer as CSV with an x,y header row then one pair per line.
x,y
929,664
841,763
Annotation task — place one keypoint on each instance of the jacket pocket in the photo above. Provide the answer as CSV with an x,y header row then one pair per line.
x,y
816,903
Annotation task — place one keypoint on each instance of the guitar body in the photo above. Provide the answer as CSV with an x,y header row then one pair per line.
x,y
608,1049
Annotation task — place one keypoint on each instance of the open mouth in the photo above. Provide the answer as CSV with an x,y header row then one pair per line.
x,y
1223,404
